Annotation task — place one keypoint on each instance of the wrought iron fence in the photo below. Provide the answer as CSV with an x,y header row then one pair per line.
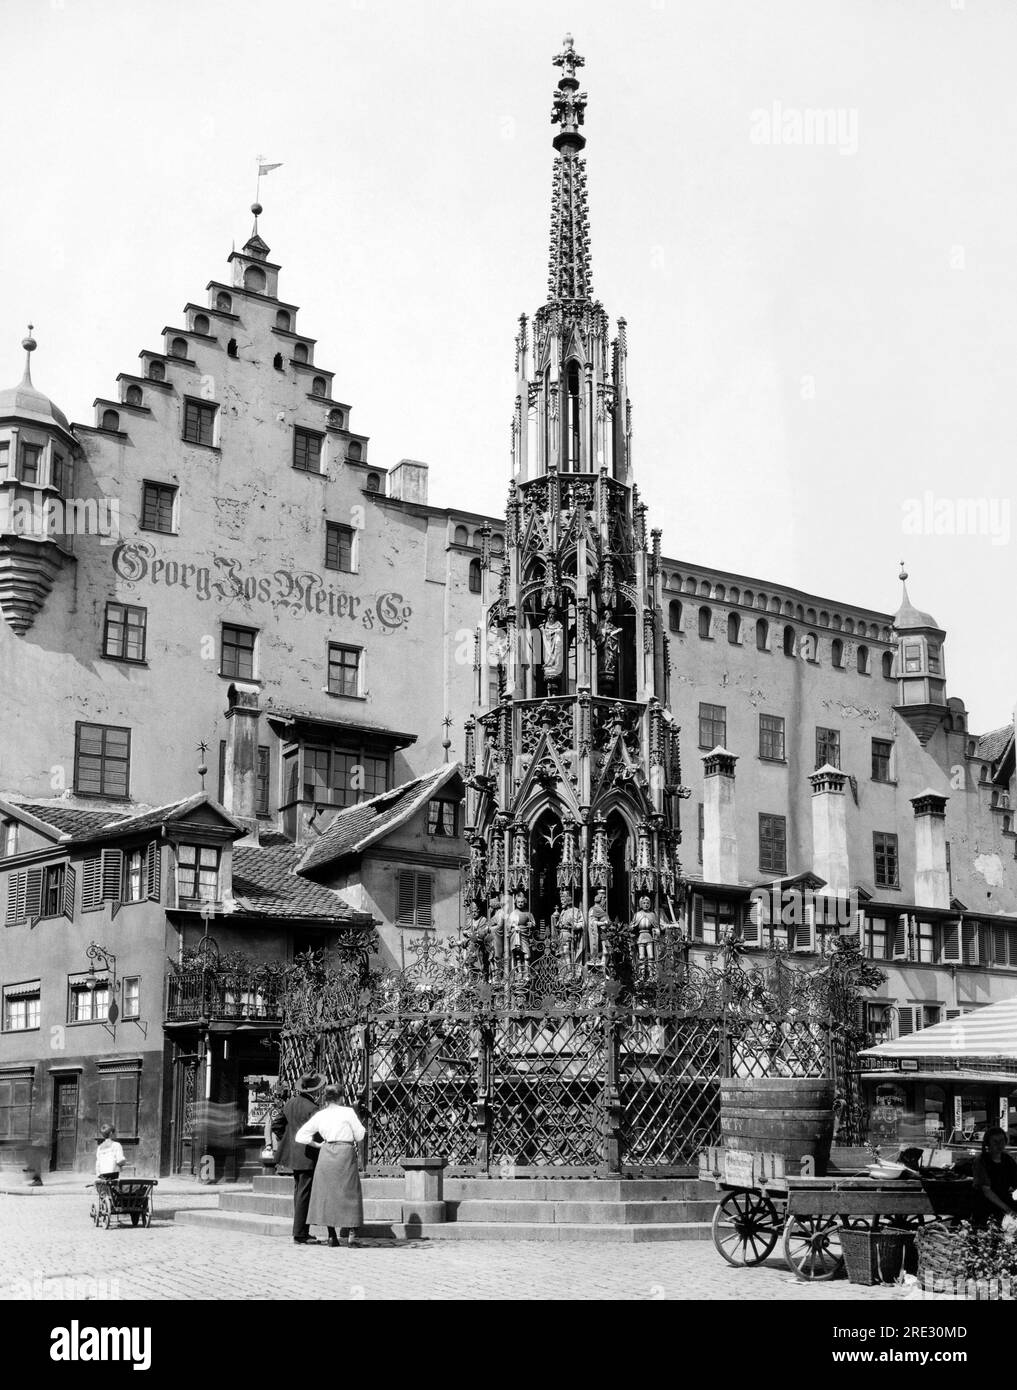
x,y
566,1071
226,994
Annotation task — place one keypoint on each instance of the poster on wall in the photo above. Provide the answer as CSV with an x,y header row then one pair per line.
x,y
259,1094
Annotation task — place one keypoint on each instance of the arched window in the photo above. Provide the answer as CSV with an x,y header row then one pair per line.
x,y
789,640
224,302
478,539
734,628
283,320
277,362
133,396
300,353
810,615
799,612
705,622
319,386
110,420
201,323
983,773
156,371
355,451
994,798
674,615
573,417
336,419
373,483
254,279
460,536
231,348
837,652
862,660
762,634
811,649
720,594
178,347
475,577
888,666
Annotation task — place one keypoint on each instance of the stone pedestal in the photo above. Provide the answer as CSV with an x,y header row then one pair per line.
x,y
423,1199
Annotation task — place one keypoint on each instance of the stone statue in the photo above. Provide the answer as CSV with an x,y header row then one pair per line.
x,y
520,923
570,936
553,638
496,934
486,941
596,922
646,926
607,638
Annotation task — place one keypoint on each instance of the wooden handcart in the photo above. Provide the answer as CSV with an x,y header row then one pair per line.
x,y
764,1204
128,1197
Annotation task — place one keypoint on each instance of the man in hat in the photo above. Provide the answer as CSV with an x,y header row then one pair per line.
x,y
299,1158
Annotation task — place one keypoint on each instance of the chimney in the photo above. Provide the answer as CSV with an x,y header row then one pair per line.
x,y
932,880
407,482
240,782
720,836
829,830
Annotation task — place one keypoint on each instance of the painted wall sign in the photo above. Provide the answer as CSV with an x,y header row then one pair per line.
x,y
283,590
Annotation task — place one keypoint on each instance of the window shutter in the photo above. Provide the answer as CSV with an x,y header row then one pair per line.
x,y
154,872
112,877
424,887
15,898
951,950
70,885
404,898
805,931
905,1021
91,884
999,942
697,916
969,935
33,894
951,1014
752,930
860,926
900,938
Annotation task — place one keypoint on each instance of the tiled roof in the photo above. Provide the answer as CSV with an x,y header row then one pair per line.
x,y
358,826
992,746
264,881
68,819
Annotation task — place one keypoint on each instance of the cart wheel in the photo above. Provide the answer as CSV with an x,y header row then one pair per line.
x,y
146,1217
812,1246
103,1214
746,1227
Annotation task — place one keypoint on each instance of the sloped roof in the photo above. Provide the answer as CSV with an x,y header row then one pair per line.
x,y
265,882
357,827
68,820
987,1032
993,745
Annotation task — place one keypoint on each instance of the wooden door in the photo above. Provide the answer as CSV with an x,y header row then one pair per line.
x,y
65,1122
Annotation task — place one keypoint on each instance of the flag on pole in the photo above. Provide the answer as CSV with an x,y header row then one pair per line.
x,y
267,168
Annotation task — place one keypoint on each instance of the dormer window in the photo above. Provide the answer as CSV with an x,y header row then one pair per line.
x,y
336,419
156,371
319,387
178,347
133,396
372,483
111,421
201,323
355,451
224,302
300,353
254,279
283,320
197,873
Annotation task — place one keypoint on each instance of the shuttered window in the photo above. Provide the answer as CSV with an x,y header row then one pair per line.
x,y
413,899
119,1098
25,893
16,1106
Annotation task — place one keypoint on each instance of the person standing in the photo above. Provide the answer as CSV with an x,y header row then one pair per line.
x,y
109,1156
300,1156
995,1177
336,1197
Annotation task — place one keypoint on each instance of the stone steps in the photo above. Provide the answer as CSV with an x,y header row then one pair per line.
x,y
528,1189
251,1223
498,1209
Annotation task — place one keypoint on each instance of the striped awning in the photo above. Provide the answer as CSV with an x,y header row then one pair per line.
x,y
990,1032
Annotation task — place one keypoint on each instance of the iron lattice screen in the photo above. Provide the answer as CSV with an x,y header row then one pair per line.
x,y
421,1090
547,1075
668,1077
780,1047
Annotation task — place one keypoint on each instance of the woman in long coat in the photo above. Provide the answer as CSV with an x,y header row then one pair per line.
x,y
336,1197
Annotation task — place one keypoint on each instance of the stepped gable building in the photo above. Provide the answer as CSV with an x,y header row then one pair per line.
x,y
218,559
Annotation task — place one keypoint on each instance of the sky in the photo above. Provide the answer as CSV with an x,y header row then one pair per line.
x,y
805,210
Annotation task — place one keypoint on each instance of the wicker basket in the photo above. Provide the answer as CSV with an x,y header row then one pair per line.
x,y
940,1247
875,1257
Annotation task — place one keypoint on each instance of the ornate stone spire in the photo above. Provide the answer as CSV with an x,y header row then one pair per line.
x,y
569,269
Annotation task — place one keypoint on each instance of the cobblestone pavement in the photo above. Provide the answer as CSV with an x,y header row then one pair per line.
x,y
49,1249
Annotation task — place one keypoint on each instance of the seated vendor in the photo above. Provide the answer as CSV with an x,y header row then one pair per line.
x,y
995,1175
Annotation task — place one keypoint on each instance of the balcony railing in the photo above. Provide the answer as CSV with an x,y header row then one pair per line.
x,y
232,996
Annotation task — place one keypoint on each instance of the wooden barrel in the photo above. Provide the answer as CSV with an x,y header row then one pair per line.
x,y
784,1114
